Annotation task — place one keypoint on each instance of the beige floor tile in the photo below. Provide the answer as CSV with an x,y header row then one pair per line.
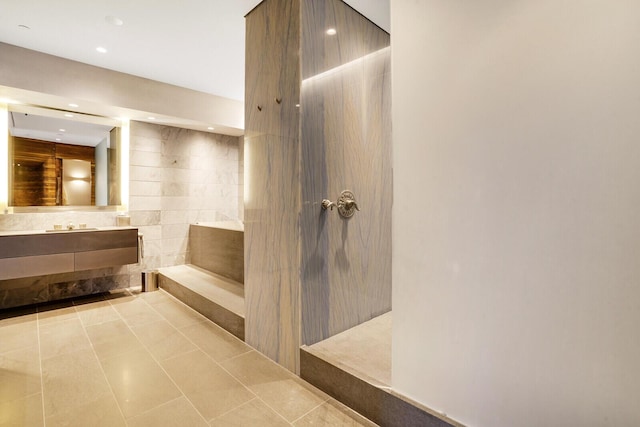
x,y
155,297
101,412
211,390
163,340
333,414
253,413
72,380
178,314
215,341
62,337
280,389
135,311
138,382
56,312
19,374
25,412
111,339
177,413
19,332
97,312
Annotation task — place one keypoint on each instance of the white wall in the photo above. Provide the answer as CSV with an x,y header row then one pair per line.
x,y
516,217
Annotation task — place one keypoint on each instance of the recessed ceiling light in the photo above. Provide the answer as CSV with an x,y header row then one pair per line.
x,y
298,105
58,139
68,115
114,20
73,105
62,130
151,118
331,31
101,49
210,128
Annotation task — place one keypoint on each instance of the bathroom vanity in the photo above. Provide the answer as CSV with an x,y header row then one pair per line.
x,y
43,252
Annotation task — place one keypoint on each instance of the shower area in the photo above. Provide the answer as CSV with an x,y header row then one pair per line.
x,y
317,123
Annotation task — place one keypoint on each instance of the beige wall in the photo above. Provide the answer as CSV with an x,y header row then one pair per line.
x,y
515,219
50,79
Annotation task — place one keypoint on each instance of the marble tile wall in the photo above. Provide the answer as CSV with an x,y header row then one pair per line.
x,y
179,177
346,144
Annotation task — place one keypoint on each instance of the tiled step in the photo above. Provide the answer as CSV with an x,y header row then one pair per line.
x,y
354,367
216,297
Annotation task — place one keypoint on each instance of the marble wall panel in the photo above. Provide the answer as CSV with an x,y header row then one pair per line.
x,y
272,184
273,69
346,133
272,280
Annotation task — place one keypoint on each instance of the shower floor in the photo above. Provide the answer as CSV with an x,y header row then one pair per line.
x,y
364,350
354,367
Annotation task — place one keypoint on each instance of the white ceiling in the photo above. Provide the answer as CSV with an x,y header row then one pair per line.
x,y
196,44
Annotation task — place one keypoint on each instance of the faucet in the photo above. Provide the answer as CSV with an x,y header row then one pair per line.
x,y
326,204
70,226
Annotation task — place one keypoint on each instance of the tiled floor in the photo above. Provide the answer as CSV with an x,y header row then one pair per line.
x,y
145,360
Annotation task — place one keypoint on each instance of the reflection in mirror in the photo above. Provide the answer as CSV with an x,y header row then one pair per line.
x,y
58,158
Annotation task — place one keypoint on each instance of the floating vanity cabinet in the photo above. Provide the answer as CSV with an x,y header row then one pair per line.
x,y
28,254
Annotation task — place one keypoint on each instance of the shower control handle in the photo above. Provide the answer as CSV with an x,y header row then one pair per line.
x,y
346,204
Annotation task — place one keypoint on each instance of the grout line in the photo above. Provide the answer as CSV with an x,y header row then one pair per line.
x,y
104,375
159,362
44,417
251,349
198,348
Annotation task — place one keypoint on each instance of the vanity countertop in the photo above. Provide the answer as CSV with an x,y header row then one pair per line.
x,y
63,231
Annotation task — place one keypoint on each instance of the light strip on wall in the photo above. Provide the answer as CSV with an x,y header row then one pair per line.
x,y
4,159
124,166
246,172
356,62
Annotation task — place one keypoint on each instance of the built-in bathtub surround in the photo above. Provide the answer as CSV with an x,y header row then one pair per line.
x,y
179,177
212,283
317,118
218,247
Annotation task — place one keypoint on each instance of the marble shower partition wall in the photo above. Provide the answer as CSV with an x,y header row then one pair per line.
x,y
272,183
310,274
346,144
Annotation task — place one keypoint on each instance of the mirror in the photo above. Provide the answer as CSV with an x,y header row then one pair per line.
x,y
59,158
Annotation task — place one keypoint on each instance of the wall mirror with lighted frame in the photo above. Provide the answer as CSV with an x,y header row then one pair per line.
x,y
62,160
